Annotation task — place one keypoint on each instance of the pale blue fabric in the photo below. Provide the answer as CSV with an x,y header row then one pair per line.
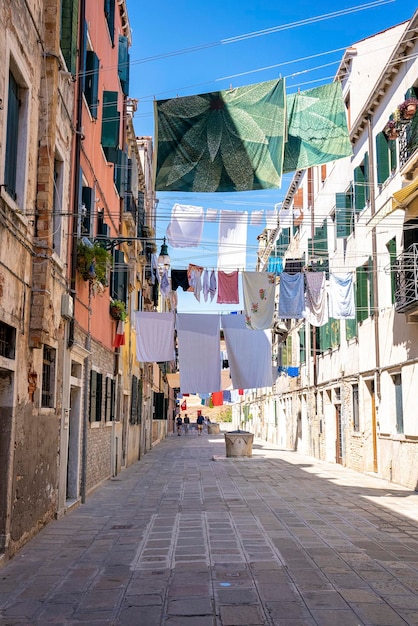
x,y
291,296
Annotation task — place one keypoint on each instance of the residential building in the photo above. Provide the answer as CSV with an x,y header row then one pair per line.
x,y
352,398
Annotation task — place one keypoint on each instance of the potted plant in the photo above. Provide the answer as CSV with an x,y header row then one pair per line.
x,y
408,108
117,310
93,261
391,129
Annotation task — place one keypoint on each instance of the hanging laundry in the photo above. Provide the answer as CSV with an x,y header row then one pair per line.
x,y
211,215
275,265
165,286
217,398
186,226
341,296
249,354
154,336
194,273
271,219
212,285
316,301
179,278
293,372
259,290
317,128
291,296
256,218
232,240
155,272
228,288
231,140
286,218
198,348
205,285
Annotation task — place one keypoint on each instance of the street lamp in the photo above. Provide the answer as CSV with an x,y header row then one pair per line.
x,y
164,260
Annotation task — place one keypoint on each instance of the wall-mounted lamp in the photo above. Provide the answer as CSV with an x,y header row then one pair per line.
x,y
164,260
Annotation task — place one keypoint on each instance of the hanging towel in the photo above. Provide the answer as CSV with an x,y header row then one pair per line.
x,y
316,302
165,287
286,218
186,226
271,220
212,285
179,278
217,398
259,291
205,285
256,218
198,347
154,336
249,354
211,215
317,128
341,296
230,140
291,296
194,274
227,288
155,273
232,240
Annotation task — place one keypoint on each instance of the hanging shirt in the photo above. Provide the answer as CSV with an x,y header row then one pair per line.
x,y
228,288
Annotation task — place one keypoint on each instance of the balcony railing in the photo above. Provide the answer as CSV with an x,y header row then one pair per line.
x,y
406,280
408,141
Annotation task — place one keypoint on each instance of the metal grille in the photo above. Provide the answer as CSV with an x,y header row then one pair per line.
x,y
406,279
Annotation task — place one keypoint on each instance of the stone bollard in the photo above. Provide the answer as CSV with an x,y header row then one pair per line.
x,y
239,443
213,428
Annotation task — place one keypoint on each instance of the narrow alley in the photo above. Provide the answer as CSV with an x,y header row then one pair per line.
x,y
187,536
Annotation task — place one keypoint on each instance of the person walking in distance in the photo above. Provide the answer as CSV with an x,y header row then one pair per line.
x,y
186,424
200,420
179,423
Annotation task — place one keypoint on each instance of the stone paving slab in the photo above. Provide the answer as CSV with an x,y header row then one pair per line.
x,y
189,537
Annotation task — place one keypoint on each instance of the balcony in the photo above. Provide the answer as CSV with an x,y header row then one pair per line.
x,y
406,282
408,141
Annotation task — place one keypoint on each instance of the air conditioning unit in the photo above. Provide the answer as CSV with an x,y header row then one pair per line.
x,y
67,306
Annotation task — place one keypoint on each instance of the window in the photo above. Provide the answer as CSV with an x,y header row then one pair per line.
x,y
48,377
329,335
364,291
7,341
86,211
110,125
96,382
361,184
160,406
136,401
110,400
109,11
123,64
119,281
91,83
385,157
356,412
344,215
57,210
16,138
69,34
397,381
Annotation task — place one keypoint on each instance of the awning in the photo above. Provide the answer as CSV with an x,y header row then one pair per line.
x,y
174,380
404,196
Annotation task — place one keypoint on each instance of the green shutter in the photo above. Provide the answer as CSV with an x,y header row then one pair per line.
x,y
111,120
325,336
123,64
302,344
335,333
91,90
393,154
343,215
109,10
359,189
86,199
366,177
134,400
362,305
10,167
109,399
370,284
119,281
382,158
69,24
391,246
121,172
93,396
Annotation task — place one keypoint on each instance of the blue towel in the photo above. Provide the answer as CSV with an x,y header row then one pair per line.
x,y
291,296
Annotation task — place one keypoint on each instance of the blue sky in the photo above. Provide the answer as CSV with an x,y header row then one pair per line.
x,y
177,51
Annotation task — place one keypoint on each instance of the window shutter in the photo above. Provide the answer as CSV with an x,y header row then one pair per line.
x,y
343,216
366,177
121,172
391,246
93,395
302,344
362,308
109,10
119,282
69,23
335,333
325,336
350,329
393,155
359,189
134,400
10,167
109,399
370,284
86,199
91,90
123,64
382,158
111,120
159,406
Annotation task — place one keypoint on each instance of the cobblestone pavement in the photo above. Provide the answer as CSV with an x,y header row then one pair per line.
x,y
187,537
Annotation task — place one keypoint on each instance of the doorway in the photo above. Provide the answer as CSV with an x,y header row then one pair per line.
x,y
338,437
6,451
74,440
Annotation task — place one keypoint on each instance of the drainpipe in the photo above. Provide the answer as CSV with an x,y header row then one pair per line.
x,y
374,260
